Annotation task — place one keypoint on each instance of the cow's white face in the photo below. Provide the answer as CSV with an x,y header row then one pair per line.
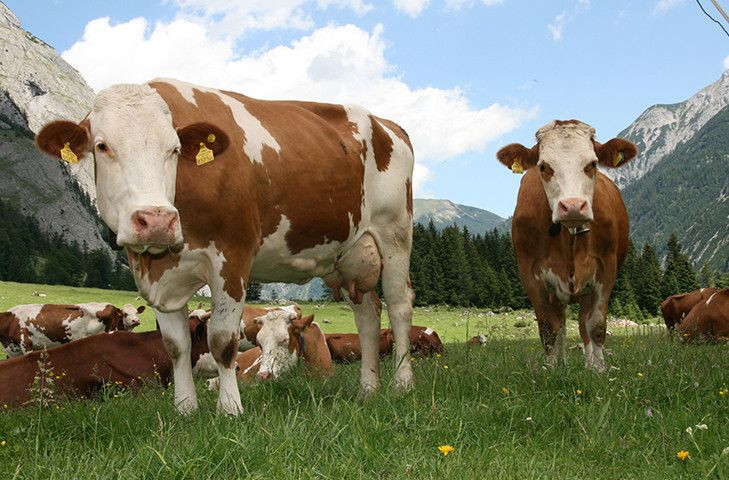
x,y
130,315
566,156
274,338
568,168
136,150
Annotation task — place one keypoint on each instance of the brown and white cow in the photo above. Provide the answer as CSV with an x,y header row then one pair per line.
x,y
345,347
205,186
303,341
570,231
708,320
675,308
82,367
33,327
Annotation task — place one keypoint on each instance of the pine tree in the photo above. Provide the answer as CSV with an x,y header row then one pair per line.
x,y
649,290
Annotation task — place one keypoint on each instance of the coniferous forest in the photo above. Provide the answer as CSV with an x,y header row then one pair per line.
x,y
450,266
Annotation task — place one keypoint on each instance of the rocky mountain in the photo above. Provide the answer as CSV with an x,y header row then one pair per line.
x,y
686,192
662,128
37,86
445,213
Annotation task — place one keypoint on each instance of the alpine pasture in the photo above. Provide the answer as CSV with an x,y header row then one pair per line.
x,y
501,410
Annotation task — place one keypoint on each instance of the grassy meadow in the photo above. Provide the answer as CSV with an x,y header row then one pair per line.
x,y
502,411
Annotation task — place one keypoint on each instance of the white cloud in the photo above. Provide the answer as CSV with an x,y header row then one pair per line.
x,y
665,5
412,7
342,64
557,26
458,4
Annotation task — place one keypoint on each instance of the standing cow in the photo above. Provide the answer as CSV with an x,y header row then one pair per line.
x,y
675,308
570,231
204,186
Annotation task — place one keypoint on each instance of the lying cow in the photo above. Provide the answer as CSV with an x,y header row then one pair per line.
x,y
248,326
708,320
675,308
345,347
279,351
82,367
569,230
33,327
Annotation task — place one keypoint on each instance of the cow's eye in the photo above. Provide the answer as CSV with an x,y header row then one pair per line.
x,y
593,164
541,167
101,146
176,151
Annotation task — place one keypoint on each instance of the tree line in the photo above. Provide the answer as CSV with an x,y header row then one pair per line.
x,y
29,255
449,266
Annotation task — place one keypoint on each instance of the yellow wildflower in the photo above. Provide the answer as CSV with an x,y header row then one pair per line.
x,y
578,391
445,366
2,443
640,374
682,455
504,390
445,449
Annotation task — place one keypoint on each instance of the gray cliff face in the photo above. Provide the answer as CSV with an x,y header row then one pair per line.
x,y
36,87
662,128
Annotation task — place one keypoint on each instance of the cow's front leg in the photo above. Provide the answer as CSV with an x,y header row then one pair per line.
x,y
223,336
176,338
593,313
551,317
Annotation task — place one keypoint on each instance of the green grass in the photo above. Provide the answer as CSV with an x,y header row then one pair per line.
x,y
627,423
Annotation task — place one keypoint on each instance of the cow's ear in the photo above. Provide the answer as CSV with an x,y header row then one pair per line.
x,y
302,323
140,308
615,152
64,140
199,138
517,157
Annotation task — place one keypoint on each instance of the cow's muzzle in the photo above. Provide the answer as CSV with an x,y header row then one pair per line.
x,y
573,212
155,229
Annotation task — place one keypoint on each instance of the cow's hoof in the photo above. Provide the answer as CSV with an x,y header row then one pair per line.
x,y
186,406
367,391
404,385
596,367
232,409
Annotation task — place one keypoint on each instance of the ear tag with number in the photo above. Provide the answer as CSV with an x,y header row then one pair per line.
x,y
205,155
67,154
517,167
619,157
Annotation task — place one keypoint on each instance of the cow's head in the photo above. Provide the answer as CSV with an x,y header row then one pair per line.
x,y
135,147
567,156
130,316
199,337
279,338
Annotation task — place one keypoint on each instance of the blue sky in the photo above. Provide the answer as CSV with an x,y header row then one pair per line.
x,y
464,77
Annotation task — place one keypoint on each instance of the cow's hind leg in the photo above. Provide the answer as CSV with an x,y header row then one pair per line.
x,y
223,335
395,249
551,316
367,317
593,314
176,338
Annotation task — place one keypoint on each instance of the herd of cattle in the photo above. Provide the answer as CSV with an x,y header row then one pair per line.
x,y
83,347
203,186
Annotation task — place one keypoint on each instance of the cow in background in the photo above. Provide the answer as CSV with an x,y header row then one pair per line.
x,y
82,367
675,308
279,353
569,230
708,320
206,186
33,327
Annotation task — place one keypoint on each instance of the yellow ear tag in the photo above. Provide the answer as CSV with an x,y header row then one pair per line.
x,y
619,157
517,167
67,154
205,155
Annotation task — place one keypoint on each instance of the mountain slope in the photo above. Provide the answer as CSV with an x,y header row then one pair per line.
x,y
686,193
445,213
662,128
37,86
